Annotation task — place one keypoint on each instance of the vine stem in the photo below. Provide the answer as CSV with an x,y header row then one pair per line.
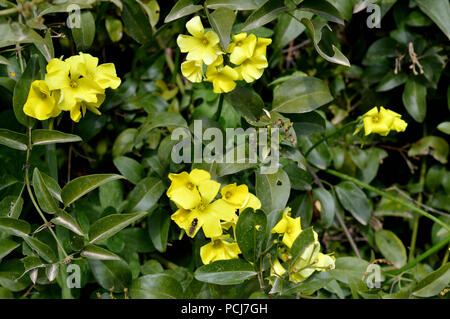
x,y
337,214
388,196
415,261
30,193
326,137
412,246
9,11
219,108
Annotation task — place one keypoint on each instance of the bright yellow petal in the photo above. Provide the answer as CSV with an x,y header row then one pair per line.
x,y
208,190
106,76
188,43
195,27
57,75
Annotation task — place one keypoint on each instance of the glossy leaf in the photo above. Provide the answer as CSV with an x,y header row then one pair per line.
x,y
327,206
156,286
391,247
41,248
98,253
433,145
250,233
434,283
67,221
82,185
322,8
414,98
84,35
13,140
145,195
112,275
44,137
439,12
129,168
15,227
354,200
43,195
136,23
267,12
222,21
273,190
181,9
247,103
231,4
114,28
225,272
110,225
158,229
7,246
300,95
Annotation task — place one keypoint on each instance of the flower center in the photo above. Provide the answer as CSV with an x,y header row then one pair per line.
x,y
376,118
202,207
289,230
205,41
190,186
228,195
73,84
12,74
43,95
217,242
239,43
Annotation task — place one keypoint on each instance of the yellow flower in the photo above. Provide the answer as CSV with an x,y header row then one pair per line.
x,y
192,70
253,67
66,76
324,262
200,46
382,122
235,195
207,214
183,190
288,226
277,269
104,75
79,109
41,102
242,47
219,249
222,78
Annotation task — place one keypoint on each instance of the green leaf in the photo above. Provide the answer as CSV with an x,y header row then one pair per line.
x,y
181,9
152,10
273,190
160,119
439,148
247,103
41,248
317,281
7,246
250,233
85,34
114,28
124,143
31,73
110,225
315,28
111,195
82,185
302,207
434,283
52,186
158,228
14,227
354,200
225,272
13,140
156,286
136,22
67,221
93,252
301,244
44,137
391,247
43,195
300,179
324,9
300,95
327,206
145,195
390,81
307,123
444,127
349,268
438,11
129,168
222,21
268,11
288,28
415,99
231,4
114,275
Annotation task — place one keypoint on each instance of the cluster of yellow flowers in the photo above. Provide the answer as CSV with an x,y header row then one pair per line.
x,y
74,84
381,122
195,194
311,259
246,52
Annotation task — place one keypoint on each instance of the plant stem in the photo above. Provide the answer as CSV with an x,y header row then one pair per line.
x,y
337,214
412,246
329,136
9,11
30,193
445,259
219,108
164,262
426,254
388,196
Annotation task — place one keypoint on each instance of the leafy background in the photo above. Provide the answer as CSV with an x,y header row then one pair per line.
x,y
335,187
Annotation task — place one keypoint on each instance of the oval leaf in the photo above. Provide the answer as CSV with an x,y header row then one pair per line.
x,y
67,221
225,272
156,286
98,253
13,140
15,227
354,200
43,137
391,247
